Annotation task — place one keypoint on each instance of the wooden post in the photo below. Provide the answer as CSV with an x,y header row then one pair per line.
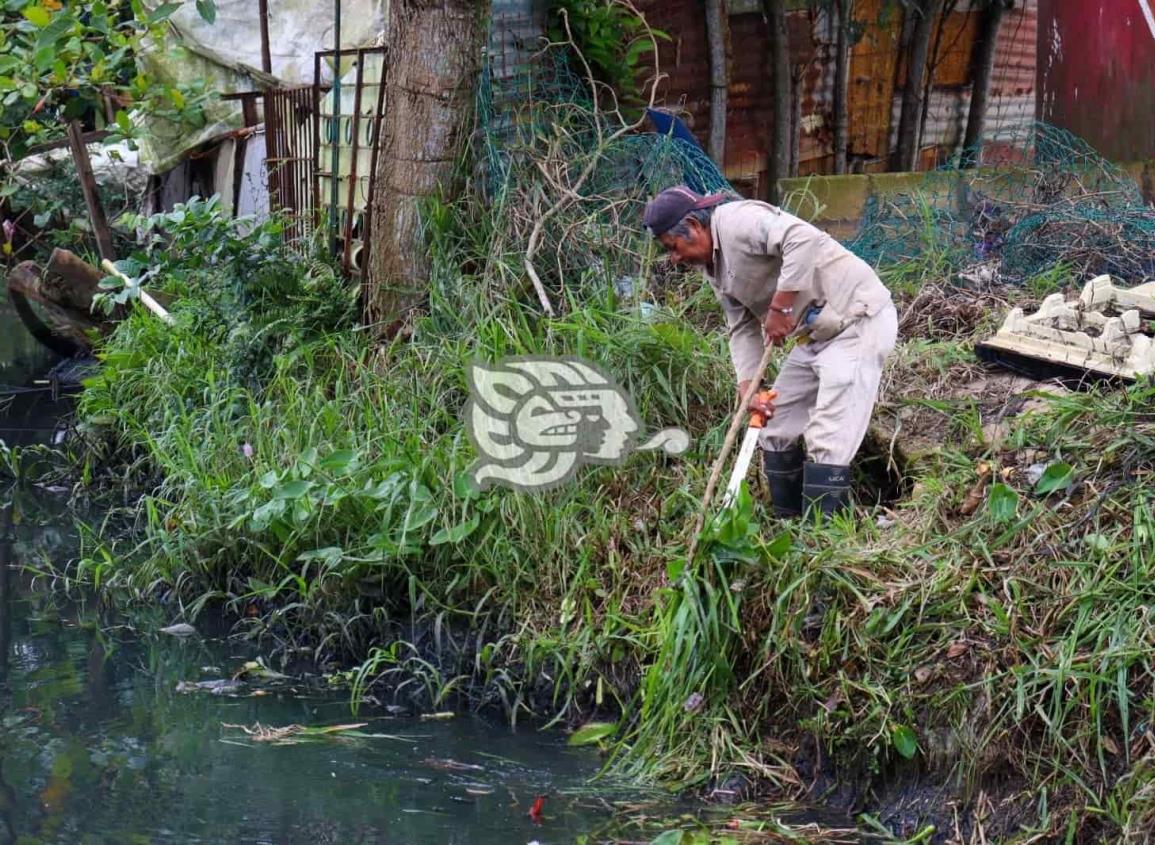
x,y
841,82
983,66
718,36
149,303
249,116
266,56
775,11
88,186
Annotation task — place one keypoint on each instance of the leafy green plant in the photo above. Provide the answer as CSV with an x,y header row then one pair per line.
x,y
64,61
612,37
253,295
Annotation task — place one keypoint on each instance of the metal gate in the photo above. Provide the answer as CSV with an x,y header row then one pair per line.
x,y
291,157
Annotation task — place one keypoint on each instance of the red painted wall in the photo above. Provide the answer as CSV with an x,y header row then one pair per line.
x,y
1097,73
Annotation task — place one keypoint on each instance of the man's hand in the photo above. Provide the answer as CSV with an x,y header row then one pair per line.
x,y
777,327
780,317
757,402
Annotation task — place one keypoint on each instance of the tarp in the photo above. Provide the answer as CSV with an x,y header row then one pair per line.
x,y
227,54
112,165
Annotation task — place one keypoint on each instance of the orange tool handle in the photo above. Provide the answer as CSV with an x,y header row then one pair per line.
x,y
756,419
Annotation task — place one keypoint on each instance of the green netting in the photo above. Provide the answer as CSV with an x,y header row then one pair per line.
x,y
1036,200
543,98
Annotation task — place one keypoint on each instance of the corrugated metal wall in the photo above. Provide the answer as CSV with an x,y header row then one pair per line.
x,y
1097,73
873,92
875,69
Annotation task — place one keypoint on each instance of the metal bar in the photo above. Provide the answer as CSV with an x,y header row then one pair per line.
x,y
336,127
353,160
288,125
316,139
377,119
306,167
88,186
272,152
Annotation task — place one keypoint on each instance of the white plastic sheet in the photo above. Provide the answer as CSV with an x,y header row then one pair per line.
x,y
221,53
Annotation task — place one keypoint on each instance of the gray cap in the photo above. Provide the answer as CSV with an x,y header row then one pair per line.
x,y
668,208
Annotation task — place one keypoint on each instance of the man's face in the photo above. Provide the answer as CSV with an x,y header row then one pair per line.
x,y
695,249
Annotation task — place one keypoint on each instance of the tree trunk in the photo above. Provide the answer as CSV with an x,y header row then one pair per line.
x,y
64,292
434,63
718,36
932,68
983,69
779,163
841,82
906,151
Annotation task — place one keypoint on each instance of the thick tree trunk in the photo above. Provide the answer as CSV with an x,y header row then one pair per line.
x,y
906,151
434,64
718,36
841,82
982,71
779,163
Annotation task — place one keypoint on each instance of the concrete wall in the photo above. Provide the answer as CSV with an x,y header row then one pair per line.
x,y
842,199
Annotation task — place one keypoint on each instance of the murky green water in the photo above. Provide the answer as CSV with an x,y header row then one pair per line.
x,y
97,745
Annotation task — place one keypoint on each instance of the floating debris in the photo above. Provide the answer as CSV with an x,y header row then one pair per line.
x,y
258,669
294,734
451,765
180,629
219,686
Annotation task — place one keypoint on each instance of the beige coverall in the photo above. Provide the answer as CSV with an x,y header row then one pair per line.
x,y
827,387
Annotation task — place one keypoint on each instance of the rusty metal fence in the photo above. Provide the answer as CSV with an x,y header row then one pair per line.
x,y
312,128
291,157
346,141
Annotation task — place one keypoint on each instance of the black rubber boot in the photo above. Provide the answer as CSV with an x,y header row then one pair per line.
x,y
826,488
784,477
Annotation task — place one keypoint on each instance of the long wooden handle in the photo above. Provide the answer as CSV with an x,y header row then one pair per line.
x,y
727,445
149,303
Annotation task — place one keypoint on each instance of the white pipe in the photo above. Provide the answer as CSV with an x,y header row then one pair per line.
x,y
149,303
